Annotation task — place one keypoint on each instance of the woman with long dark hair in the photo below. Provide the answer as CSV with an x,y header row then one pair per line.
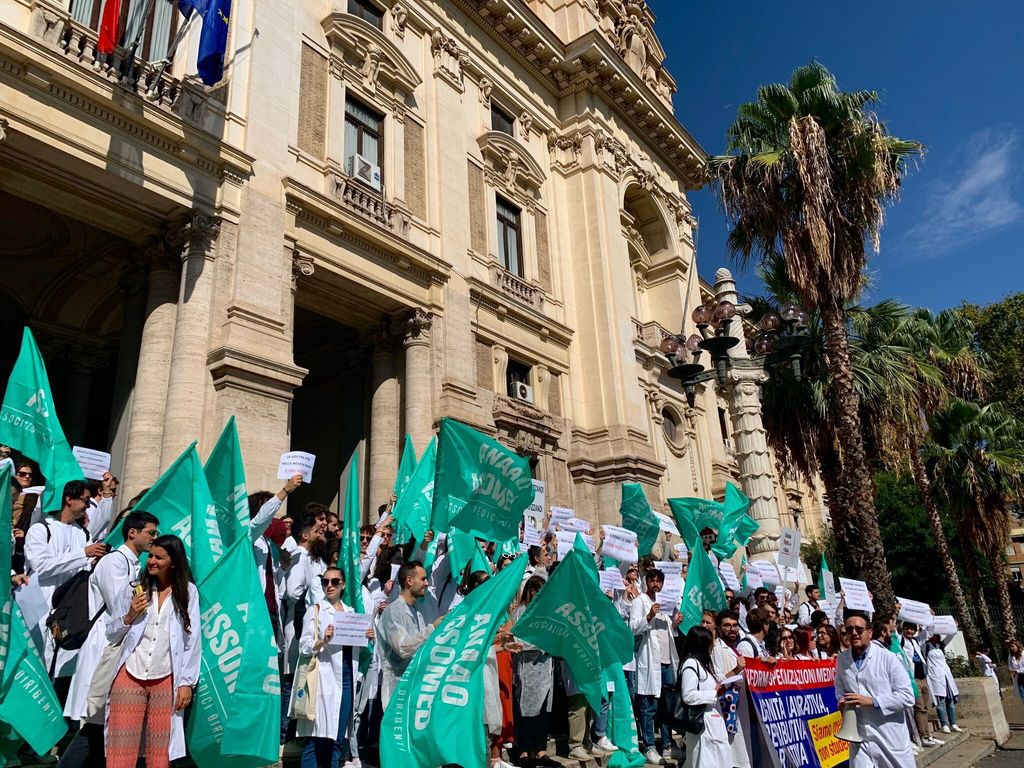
x,y
803,642
156,626
701,688
533,691
828,642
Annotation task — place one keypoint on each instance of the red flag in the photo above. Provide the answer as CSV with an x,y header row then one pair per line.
x,y
109,26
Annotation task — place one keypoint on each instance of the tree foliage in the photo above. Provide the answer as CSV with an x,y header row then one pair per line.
x,y
999,336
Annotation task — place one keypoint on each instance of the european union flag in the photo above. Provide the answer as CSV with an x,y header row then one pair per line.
x,y
213,41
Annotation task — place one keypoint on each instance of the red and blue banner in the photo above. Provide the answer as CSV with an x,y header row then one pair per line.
x,y
794,702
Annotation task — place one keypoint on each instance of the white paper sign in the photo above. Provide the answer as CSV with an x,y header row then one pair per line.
x,y
828,608
856,593
611,580
667,524
350,628
917,612
789,548
714,559
560,514
576,524
829,582
754,579
531,536
780,597
296,463
93,463
566,539
536,508
944,625
619,544
670,596
670,568
682,553
728,574
767,571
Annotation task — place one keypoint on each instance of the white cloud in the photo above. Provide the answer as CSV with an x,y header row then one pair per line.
x,y
977,196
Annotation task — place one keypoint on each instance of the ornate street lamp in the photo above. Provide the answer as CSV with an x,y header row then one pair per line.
x,y
782,340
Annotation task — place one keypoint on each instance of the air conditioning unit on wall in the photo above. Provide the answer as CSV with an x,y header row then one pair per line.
x,y
522,392
363,170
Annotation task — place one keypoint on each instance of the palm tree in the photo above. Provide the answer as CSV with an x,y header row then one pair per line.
x,y
807,176
976,460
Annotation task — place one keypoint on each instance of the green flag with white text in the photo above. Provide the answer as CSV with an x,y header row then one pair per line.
x,y
480,486
570,617
638,517
737,526
412,510
28,423
703,590
435,716
225,475
348,554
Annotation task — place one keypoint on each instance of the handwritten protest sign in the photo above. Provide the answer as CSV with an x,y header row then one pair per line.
x,y
619,544
611,580
856,594
296,463
93,463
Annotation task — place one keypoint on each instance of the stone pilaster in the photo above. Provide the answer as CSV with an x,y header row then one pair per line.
x,y
419,401
187,384
384,420
146,422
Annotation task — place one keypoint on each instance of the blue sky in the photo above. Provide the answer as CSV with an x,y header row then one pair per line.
x,y
949,74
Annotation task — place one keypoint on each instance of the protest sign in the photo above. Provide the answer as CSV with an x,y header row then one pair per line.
x,y
752,578
93,463
619,544
944,626
917,612
442,690
350,628
531,536
536,508
670,595
611,580
728,574
786,696
789,548
856,594
561,515
638,517
830,750
576,524
296,463
682,553
671,568
767,571
666,524
566,539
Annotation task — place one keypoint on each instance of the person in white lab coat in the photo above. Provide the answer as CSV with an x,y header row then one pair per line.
x,y
55,549
701,686
941,685
157,629
107,584
327,735
874,681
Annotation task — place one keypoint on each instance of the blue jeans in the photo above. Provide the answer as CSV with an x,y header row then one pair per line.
x,y
666,705
646,707
328,753
946,708
600,727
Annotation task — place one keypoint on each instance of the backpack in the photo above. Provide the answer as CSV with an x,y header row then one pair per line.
x,y
69,621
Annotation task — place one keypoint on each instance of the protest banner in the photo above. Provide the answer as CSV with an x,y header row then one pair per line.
x,y
225,477
406,466
94,464
576,524
767,571
830,750
827,582
412,510
789,548
944,626
566,540
786,696
619,544
917,612
671,568
296,463
442,691
856,595
536,508
638,517
703,590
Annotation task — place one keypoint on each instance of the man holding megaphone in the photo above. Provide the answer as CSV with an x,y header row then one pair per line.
x,y
873,688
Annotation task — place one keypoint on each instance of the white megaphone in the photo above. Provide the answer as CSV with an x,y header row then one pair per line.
x,y
848,731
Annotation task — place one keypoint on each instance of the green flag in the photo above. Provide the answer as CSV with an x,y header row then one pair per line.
x,y
412,510
734,524
480,486
406,466
349,554
638,517
435,716
225,475
571,618
6,551
703,590
28,422
826,582
685,511
29,708
621,722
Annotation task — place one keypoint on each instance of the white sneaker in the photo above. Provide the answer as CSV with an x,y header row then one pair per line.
x,y
916,749
604,745
504,764
666,753
957,728
945,729
579,753
652,757
931,741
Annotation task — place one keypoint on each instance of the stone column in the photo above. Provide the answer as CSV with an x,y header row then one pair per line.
x,y
751,441
146,419
384,420
419,398
186,387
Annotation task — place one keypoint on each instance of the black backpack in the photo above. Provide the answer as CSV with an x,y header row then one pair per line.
x,y
69,621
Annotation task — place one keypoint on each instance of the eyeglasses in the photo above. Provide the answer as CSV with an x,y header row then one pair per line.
x,y
331,582
365,538
23,474
787,637
856,630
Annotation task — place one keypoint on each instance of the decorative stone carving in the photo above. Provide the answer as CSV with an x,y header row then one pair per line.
x,y
449,58
508,165
4,125
566,150
415,328
525,125
365,54
399,20
302,266
486,88
197,230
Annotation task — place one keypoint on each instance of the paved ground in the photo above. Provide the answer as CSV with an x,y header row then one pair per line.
x,y
1011,754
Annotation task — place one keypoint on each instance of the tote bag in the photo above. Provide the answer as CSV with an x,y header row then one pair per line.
x,y
307,678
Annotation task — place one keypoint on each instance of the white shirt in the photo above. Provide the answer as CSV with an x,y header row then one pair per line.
x,y
151,659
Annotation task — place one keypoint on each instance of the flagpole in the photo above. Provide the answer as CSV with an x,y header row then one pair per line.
x,y
128,62
166,60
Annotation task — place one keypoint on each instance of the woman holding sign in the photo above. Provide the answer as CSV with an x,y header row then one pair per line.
x,y
327,734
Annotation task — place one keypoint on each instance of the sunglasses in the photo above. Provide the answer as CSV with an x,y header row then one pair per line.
x,y
365,538
787,637
24,474
856,630
331,582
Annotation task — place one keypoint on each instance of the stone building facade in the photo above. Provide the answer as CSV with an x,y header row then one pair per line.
x,y
389,211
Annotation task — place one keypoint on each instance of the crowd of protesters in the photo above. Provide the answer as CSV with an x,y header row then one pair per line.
x,y
140,661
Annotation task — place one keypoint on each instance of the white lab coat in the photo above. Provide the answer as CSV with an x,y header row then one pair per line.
x,y
648,650
331,669
294,605
940,678
725,659
186,651
709,749
111,577
50,564
100,514
883,727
